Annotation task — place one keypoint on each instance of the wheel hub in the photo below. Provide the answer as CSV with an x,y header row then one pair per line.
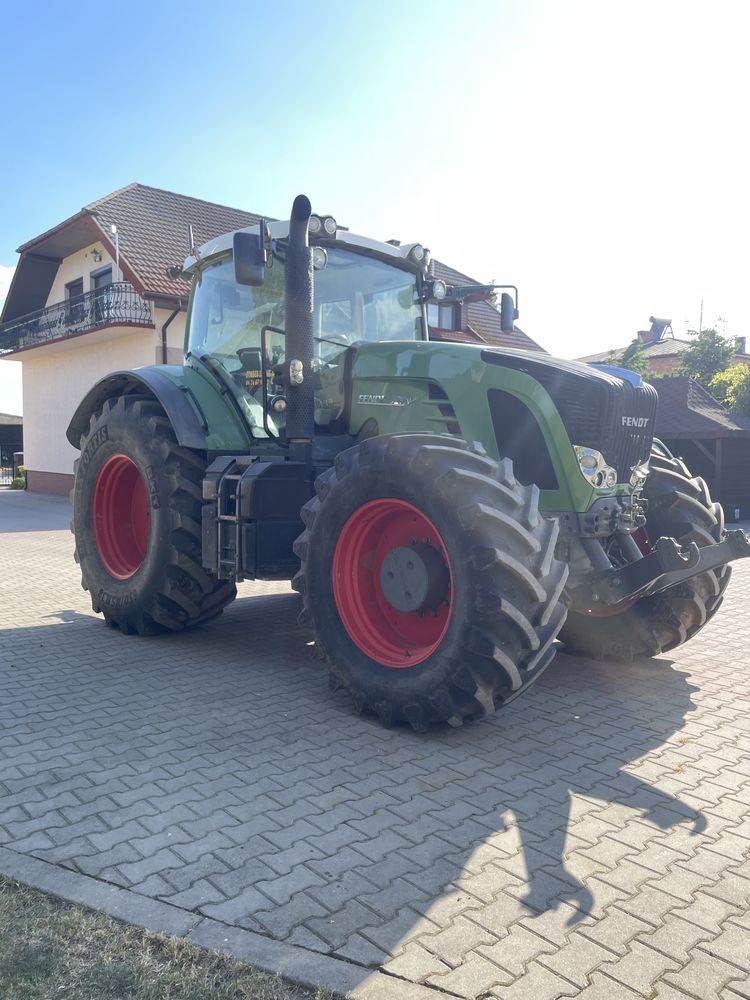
x,y
414,578
120,516
397,620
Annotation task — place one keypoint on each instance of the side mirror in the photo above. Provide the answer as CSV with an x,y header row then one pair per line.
x,y
249,259
508,312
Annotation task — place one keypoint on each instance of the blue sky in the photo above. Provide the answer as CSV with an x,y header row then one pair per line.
x,y
592,153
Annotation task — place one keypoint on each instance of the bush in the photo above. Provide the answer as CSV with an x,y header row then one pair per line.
x,y
732,388
19,483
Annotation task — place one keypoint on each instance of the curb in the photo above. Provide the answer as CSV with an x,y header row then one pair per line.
x,y
308,968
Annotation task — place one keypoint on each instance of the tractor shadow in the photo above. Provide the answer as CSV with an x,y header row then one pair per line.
x,y
235,721
562,750
583,725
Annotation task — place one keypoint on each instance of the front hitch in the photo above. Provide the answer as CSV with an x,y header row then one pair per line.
x,y
668,564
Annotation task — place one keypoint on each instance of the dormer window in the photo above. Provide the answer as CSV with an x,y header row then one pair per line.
x,y
443,316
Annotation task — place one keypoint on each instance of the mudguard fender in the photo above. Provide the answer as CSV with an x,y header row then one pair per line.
x,y
190,428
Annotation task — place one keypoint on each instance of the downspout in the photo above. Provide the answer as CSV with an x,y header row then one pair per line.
x,y
164,331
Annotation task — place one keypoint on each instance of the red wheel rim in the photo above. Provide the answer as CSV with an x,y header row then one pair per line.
x,y
393,638
120,516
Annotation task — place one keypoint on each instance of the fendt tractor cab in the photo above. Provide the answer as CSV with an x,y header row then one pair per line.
x,y
446,511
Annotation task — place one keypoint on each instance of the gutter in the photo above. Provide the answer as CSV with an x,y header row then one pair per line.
x,y
171,316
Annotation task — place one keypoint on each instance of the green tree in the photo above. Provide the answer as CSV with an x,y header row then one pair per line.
x,y
709,354
732,388
634,359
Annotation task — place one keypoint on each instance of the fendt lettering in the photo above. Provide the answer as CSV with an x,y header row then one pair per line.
x,y
445,532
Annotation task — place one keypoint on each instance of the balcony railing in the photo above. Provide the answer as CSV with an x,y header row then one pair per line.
x,y
112,305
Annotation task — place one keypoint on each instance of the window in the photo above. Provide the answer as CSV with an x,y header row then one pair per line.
x,y
443,317
74,299
357,298
100,282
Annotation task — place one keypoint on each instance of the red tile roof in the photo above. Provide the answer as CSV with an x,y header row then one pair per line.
x,y
152,225
483,318
669,347
152,228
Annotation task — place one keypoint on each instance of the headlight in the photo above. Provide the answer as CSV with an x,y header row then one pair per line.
x,y
314,225
435,290
417,253
589,460
319,258
329,225
594,467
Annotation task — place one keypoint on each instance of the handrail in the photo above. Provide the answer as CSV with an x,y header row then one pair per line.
x,y
111,305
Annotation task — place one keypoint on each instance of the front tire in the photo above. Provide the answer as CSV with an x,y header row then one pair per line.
x,y
137,522
490,587
680,507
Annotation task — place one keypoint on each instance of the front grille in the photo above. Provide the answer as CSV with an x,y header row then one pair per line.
x,y
598,410
626,444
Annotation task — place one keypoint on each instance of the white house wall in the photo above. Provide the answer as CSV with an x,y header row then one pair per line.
x,y
58,374
79,265
175,336
55,381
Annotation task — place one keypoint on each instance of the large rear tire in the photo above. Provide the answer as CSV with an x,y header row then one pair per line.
x,y
490,586
137,522
679,506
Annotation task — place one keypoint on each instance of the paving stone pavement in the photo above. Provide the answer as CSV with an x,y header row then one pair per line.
x,y
592,840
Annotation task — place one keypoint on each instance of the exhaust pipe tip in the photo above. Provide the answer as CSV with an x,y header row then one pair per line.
x,y
299,219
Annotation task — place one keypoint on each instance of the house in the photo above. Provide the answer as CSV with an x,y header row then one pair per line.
x,y
714,443
92,295
662,350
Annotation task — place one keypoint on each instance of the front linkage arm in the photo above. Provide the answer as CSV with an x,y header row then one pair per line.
x,y
667,565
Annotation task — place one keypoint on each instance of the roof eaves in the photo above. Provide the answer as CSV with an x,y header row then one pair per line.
x,y
476,333
125,266
25,247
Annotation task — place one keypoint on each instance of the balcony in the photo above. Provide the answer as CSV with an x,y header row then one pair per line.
x,y
117,304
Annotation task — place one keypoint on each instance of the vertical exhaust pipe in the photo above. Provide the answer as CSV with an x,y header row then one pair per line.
x,y
298,305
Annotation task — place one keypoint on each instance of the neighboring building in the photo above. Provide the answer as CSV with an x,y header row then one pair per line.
x,y
11,442
662,350
91,296
714,443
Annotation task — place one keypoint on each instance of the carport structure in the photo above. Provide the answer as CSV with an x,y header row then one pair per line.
x,y
714,443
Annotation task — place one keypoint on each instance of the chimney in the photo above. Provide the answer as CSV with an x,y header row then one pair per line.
x,y
644,336
740,345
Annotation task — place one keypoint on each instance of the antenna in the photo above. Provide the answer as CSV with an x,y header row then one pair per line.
x,y
191,242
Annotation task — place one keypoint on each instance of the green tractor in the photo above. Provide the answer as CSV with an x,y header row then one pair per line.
x,y
447,512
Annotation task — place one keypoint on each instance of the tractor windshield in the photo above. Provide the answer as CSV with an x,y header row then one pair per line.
x,y
357,298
